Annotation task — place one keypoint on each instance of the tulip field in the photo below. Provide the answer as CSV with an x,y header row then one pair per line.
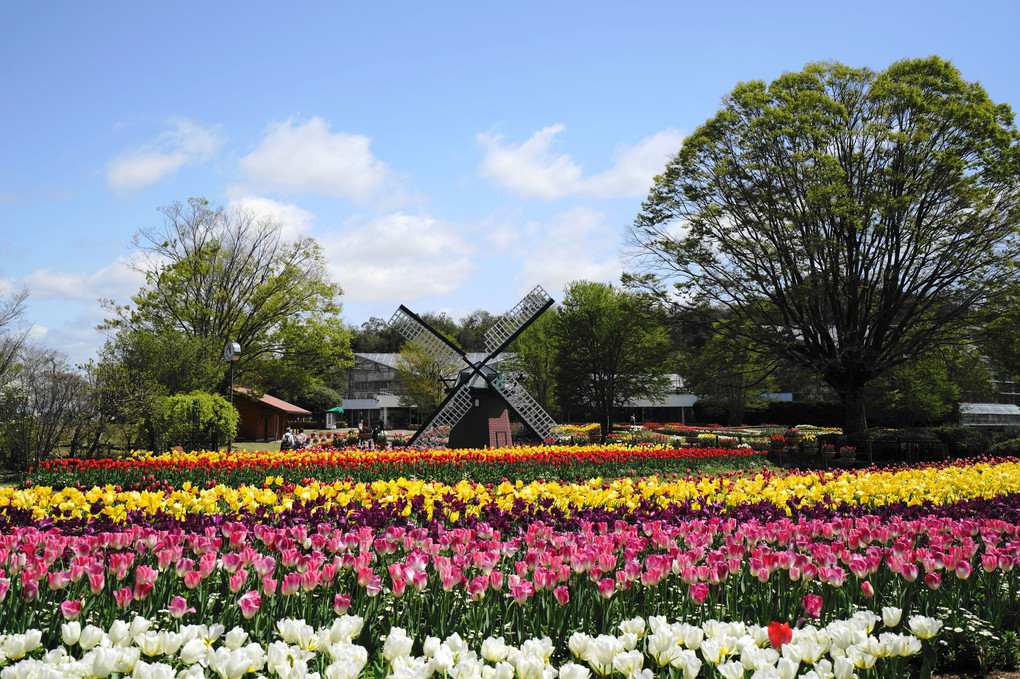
x,y
522,562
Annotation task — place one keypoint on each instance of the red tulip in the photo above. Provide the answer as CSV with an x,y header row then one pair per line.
x,y
779,634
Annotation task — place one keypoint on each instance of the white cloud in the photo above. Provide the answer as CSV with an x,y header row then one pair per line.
x,y
117,280
186,142
308,158
532,170
296,222
574,245
398,256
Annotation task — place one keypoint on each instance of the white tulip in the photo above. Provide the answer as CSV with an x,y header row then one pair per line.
x,y
158,670
431,645
842,668
70,632
923,627
688,662
692,636
578,644
443,660
120,633
530,667
195,651
494,649
103,662
635,626
138,626
235,638
731,670
348,661
502,670
629,663
573,671
91,636
786,668
397,644
891,616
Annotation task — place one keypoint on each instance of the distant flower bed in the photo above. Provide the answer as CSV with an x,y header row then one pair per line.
x,y
324,463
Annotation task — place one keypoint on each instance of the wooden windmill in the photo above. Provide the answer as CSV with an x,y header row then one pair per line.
x,y
479,398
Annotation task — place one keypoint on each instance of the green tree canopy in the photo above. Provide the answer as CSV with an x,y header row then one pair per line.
x,y
611,346
425,377
214,275
852,217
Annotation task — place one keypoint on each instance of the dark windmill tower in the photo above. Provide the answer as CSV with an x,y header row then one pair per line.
x,y
476,407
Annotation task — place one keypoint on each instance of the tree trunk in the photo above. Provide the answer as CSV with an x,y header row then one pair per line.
x,y
854,417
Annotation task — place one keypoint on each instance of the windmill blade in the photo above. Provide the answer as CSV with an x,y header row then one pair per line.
x,y
451,411
526,407
513,322
414,329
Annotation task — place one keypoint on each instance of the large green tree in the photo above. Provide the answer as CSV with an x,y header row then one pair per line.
x,y
852,217
611,346
532,360
425,377
729,370
214,275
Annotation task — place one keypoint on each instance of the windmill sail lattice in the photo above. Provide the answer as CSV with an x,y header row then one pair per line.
x,y
458,403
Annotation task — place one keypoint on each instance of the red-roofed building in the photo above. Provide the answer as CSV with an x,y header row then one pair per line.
x,y
265,418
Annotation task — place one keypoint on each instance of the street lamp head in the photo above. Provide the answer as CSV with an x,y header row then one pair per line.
x,y
232,351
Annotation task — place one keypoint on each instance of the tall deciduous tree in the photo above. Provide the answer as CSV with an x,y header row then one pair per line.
x,y
611,346
731,370
425,377
532,360
214,275
852,217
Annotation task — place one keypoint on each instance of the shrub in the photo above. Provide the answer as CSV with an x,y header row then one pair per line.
x,y
194,420
1007,448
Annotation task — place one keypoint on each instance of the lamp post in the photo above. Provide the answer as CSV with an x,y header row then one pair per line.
x,y
231,352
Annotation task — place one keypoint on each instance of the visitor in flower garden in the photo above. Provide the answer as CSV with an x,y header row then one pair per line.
x,y
287,442
301,439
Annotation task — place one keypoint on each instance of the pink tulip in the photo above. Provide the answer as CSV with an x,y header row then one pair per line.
x,y
29,588
868,589
97,583
5,586
910,572
71,609
250,602
562,595
269,585
291,584
989,562
607,588
374,586
477,587
58,580
123,597
237,580
933,580
142,590
341,602
191,579
146,574
812,604
699,592
231,562
963,569
179,607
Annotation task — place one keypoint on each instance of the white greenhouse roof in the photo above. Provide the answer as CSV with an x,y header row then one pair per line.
x,y
989,409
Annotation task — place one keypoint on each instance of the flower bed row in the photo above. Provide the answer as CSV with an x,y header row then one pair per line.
x,y
423,557
935,484
326,464
639,649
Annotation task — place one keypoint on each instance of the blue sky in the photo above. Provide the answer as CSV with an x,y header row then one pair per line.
x,y
449,156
